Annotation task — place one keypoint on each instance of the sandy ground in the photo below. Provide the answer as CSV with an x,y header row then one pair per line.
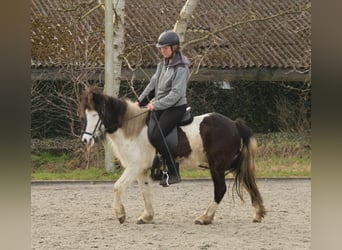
x,y
80,216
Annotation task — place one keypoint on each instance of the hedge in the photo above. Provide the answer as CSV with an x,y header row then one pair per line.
x,y
265,106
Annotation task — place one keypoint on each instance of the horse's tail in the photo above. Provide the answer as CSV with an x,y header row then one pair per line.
x,y
244,168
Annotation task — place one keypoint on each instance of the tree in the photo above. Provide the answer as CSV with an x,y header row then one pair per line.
x,y
185,14
114,47
114,26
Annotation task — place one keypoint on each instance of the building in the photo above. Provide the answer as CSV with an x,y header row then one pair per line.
x,y
261,40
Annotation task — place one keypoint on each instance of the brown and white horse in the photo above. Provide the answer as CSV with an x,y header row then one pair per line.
x,y
226,146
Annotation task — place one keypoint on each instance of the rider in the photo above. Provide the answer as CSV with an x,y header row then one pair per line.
x,y
168,88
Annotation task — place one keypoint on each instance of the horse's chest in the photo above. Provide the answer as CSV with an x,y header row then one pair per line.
x,y
126,148
131,150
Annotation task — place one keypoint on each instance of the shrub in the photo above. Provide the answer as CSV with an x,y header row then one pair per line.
x,y
265,106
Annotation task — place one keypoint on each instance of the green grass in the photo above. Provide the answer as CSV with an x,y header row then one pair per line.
x,y
265,168
283,167
101,174
46,157
279,155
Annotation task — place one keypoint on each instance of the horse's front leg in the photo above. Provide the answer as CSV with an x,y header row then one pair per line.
x,y
119,187
144,182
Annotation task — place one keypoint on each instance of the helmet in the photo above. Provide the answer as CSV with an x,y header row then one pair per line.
x,y
167,38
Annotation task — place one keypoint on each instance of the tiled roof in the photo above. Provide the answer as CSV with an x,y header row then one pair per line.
x,y
60,37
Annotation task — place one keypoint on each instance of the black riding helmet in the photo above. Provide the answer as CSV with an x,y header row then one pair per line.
x,y
167,38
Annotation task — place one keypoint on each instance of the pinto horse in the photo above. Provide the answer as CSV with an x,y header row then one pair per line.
x,y
224,145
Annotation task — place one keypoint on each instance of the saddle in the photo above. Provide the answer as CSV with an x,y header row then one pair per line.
x,y
172,137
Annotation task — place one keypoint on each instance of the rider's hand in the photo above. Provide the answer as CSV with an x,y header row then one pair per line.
x,y
150,107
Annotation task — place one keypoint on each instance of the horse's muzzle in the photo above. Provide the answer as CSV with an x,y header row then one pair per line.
x,y
85,141
88,139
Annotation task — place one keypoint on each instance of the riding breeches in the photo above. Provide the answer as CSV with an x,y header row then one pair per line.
x,y
167,120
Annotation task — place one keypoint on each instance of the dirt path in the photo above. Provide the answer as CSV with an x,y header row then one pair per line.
x,y
80,216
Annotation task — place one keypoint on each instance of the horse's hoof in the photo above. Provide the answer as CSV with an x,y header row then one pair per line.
x,y
141,221
204,222
122,219
197,222
256,220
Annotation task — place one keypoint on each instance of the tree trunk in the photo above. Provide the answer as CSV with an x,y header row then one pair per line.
x,y
119,45
184,16
114,24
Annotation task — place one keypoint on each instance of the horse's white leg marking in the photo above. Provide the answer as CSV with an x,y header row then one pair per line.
x,y
119,187
258,208
259,212
208,215
144,182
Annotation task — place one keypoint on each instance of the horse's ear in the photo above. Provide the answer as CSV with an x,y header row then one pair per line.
x,y
93,99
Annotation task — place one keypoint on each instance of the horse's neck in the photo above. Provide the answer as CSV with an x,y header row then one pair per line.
x,y
134,120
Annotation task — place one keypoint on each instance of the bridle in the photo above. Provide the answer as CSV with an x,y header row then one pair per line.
x,y
99,123
93,135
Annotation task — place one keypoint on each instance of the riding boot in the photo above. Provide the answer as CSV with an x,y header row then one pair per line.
x,y
172,176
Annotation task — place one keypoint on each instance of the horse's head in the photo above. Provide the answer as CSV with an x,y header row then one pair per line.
x,y
91,110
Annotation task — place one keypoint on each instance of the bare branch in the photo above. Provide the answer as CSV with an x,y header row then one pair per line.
x,y
76,7
82,4
251,20
100,4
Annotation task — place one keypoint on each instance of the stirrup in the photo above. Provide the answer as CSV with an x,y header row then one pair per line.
x,y
166,179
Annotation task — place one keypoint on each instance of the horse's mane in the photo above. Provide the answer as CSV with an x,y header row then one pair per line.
x,y
134,119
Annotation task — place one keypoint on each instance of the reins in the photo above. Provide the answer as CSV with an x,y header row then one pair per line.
x,y
130,118
135,116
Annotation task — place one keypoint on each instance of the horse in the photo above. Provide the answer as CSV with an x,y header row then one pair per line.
x,y
224,145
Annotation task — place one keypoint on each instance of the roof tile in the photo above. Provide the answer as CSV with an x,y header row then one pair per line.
x,y
61,36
